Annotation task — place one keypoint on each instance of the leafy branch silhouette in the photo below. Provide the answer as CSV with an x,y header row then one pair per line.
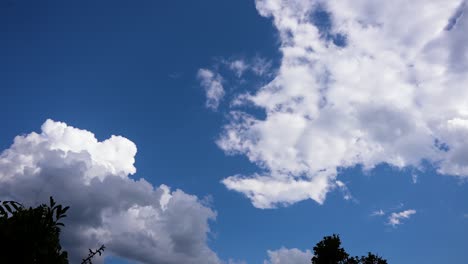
x,y
32,235
92,254
7,208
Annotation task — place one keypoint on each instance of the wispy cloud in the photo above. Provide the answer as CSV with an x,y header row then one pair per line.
x,y
214,90
395,218
414,178
259,66
345,191
378,213
238,66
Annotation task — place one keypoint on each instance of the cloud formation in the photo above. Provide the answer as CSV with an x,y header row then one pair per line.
x,y
134,219
395,218
360,82
258,66
379,212
288,256
239,66
212,83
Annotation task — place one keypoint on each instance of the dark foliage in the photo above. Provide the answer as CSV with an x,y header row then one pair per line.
x,y
372,259
329,251
32,235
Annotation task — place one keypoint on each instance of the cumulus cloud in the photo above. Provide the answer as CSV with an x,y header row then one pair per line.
x,y
134,219
395,218
360,82
212,83
288,256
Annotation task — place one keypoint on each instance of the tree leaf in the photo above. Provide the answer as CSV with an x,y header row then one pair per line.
x,y
2,211
5,204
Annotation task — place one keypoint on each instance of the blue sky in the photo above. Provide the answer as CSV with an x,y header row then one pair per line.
x,y
352,111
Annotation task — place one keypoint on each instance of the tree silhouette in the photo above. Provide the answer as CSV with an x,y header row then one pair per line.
x,y
329,251
32,235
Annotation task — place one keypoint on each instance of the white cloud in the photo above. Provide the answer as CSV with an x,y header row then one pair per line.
x,y
396,93
395,218
261,66
134,219
212,83
414,178
238,66
378,213
288,256
345,191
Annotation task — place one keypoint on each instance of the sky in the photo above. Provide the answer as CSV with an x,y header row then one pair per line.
x,y
233,132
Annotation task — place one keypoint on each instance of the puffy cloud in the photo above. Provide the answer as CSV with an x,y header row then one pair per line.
x,y
288,256
212,83
395,218
134,219
360,82
265,190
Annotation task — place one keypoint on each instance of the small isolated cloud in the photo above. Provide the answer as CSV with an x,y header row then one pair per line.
x,y
414,178
288,256
134,219
238,66
395,218
345,191
378,213
259,66
379,82
212,83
